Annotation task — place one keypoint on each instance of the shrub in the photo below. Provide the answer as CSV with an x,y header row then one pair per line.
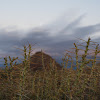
x,y
19,82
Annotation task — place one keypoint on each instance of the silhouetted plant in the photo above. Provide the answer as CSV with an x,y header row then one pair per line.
x,y
21,82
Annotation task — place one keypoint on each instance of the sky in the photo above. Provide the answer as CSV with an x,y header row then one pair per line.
x,y
52,25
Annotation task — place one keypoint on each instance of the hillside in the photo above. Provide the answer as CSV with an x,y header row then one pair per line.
x,y
41,59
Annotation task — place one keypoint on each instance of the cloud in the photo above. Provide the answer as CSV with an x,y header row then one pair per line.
x,y
43,37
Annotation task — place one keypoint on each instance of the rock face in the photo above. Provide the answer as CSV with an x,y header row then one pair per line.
x,y
41,60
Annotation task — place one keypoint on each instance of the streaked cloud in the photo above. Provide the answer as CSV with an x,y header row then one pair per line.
x,y
63,37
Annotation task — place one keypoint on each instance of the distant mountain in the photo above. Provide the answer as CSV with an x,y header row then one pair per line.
x,y
41,59
2,65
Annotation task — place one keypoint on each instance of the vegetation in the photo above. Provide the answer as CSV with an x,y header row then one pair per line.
x,y
19,82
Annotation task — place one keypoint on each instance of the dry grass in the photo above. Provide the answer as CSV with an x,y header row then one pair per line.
x,y
18,82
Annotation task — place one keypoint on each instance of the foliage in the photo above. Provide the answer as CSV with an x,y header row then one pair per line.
x,y
19,82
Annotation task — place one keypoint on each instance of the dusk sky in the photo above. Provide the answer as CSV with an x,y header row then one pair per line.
x,y
54,25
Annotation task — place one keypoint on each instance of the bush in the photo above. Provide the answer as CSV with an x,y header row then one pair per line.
x,y
19,82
